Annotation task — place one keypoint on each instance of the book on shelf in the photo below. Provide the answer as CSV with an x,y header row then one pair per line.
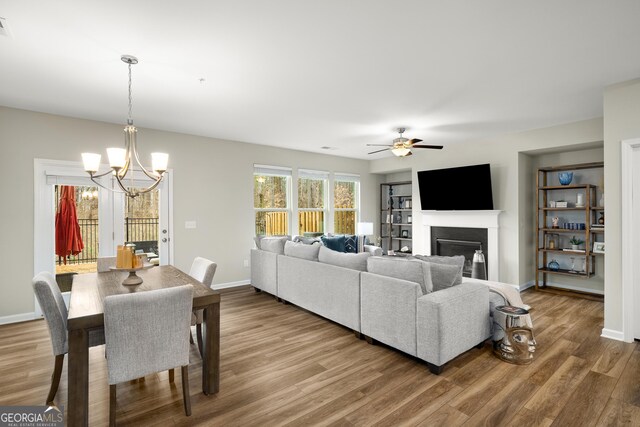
x,y
597,225
573,250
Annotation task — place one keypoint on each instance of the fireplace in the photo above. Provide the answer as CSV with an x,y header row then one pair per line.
x,y
450,241
468,230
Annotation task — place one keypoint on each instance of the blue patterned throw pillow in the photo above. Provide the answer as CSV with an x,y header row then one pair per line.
x,y
350,243
335,243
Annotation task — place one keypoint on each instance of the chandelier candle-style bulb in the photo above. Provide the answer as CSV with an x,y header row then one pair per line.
x,y
159,162
91,162
117,157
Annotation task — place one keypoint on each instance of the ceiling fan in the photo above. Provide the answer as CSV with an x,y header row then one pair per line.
x,y
402,146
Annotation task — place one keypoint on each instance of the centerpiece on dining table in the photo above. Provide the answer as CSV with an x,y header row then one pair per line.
x,y
128,260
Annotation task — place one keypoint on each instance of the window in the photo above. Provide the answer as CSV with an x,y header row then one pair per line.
x,y
346,202
271,188
312,190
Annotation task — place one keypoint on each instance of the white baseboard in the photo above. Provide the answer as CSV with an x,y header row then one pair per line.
x,y
15,318
232,284
529,284
612,334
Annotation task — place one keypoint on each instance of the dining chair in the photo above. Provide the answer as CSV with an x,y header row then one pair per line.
x,y
144,334
105,263
203,271
55,313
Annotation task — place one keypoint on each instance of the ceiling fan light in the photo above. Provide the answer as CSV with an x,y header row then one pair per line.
x,y
400,151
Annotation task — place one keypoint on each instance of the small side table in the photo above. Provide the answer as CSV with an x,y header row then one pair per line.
x,y
513,339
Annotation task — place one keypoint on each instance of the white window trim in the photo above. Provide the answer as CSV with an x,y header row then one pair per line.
x,y
267,170
315,175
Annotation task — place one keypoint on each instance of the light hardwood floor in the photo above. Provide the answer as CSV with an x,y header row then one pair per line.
x,y
282,365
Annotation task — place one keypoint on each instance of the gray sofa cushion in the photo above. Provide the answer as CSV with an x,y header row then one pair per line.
x,y
307,240
457,260
259,239
274,244
402,268
301,250
341,259
444,276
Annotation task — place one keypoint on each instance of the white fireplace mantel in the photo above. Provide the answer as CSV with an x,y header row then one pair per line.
x,y
469,219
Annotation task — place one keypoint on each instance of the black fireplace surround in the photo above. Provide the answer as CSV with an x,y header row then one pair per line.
x,y
450,241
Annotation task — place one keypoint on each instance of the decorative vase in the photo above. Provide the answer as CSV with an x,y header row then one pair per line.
x,y
601,202
575,247
601,219
553,265
479,268
565,177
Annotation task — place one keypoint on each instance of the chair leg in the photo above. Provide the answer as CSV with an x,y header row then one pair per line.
x,y
171,375
112,405
186,398
55,379
199,337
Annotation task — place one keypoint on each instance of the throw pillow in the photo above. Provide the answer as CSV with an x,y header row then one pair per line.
x,y
351,243
306,240
341,259
402,268
444,276
335,243
457,260
301,250
274,244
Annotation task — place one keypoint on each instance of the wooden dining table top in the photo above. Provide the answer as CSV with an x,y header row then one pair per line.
x,y
89,291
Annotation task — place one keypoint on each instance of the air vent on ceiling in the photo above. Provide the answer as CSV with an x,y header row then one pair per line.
x,y
4,29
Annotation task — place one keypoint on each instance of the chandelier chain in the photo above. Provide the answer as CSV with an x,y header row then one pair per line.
x,y
130,120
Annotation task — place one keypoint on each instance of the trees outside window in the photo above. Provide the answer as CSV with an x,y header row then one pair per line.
x,y
312,189
346,198
271,200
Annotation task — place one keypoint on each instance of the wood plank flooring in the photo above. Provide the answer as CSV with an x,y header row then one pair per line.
x,y
282,365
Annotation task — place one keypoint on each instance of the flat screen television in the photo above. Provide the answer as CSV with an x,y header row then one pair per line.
x,y
456,189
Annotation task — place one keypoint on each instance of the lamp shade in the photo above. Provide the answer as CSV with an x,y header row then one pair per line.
x,y
91,162
117,157
365,228
159,162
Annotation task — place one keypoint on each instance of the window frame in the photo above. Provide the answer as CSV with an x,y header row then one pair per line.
x,y
346,177
266,170
315,175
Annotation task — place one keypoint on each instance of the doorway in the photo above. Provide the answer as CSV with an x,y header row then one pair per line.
x,y
106,218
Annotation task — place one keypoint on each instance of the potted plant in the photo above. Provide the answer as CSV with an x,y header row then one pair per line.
x,y
575,243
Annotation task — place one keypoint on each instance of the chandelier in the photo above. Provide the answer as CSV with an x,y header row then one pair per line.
x,y
121,159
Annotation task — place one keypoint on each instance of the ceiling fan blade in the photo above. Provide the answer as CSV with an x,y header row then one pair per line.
x,y
379,145
433,147
379,151
413,141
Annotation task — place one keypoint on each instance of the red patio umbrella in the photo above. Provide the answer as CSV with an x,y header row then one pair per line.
x,y
68,237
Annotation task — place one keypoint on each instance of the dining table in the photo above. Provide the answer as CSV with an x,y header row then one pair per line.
x,y
86,312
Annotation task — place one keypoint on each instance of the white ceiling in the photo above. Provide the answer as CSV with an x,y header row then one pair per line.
x,y
339,73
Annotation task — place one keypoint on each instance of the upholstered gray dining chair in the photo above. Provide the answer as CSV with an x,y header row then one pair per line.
x,y
203,271
145,333
55,312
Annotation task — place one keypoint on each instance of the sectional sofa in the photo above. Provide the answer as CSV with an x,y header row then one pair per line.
x,y
422,307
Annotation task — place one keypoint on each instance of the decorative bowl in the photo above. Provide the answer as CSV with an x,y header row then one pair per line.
x,y
553,265
565,177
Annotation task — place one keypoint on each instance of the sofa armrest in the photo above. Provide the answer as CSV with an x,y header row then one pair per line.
x,y
451,321
373,250
388,310
264,269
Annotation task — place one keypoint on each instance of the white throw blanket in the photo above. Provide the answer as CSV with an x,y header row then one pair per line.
x,y
510,294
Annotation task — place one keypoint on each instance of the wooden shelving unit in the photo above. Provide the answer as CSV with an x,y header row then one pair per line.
x,y
544,216
395,198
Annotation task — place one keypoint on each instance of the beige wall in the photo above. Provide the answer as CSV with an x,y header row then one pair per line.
x,y
213,185
503,153
621,122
